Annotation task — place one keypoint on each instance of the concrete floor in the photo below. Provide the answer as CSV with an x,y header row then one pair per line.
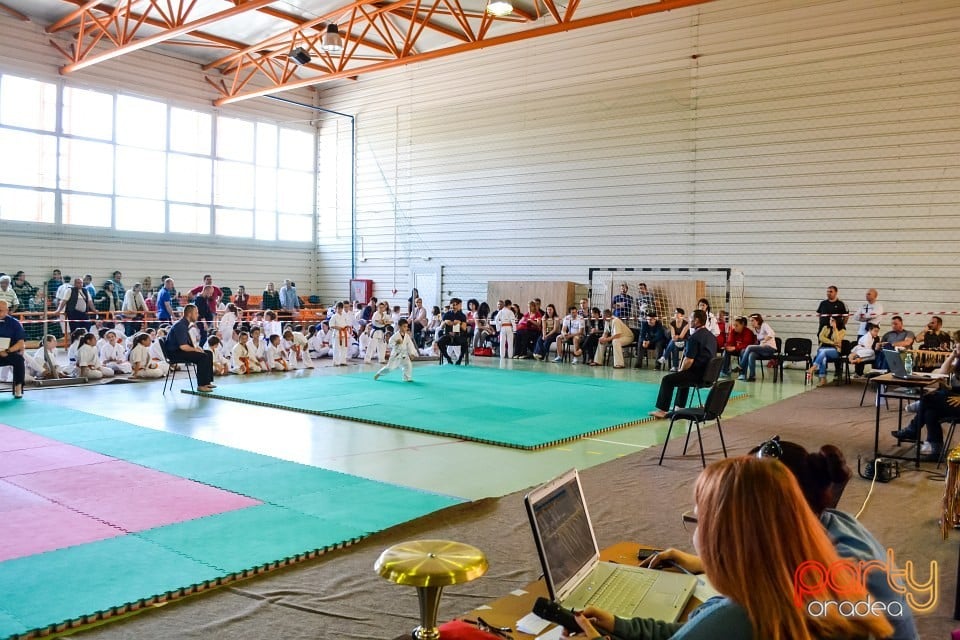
x,y
446,465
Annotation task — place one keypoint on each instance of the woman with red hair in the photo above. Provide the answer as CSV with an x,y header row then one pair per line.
x,y
754,531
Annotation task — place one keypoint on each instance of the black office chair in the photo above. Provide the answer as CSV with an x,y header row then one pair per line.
x,y
713,409
172,371
710,375
773,356
945,448
796,350
846,348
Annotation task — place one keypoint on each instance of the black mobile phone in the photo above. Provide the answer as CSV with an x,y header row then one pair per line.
x,y
646,553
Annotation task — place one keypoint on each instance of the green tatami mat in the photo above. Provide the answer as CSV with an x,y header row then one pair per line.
x,y
520,409
306,510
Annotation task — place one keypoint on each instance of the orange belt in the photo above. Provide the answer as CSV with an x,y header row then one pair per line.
x,y
343,336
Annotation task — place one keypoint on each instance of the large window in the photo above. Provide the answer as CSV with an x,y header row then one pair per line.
x,y
99,159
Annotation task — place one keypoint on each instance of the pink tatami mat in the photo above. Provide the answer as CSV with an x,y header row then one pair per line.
x,y
13,439
44,527
57,456
54,495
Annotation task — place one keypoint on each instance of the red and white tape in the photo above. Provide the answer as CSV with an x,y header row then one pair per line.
x,y
849,314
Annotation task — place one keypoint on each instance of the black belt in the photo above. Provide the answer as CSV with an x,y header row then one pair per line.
x,y
376,328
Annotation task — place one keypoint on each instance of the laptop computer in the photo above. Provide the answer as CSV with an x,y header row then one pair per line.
x,y
895,365
571,564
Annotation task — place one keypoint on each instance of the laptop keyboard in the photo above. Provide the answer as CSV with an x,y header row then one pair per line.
x,y
623,590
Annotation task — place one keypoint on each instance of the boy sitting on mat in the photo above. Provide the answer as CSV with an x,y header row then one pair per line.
x,y
401,350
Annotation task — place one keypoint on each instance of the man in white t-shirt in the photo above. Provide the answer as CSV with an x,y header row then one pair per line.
x,y
868,313
571,331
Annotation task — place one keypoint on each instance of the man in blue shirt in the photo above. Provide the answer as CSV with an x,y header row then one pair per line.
x,y
623,303
12,339
166,307
181,348
289,301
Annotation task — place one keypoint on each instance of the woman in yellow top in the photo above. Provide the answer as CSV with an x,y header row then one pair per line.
x,y
831,341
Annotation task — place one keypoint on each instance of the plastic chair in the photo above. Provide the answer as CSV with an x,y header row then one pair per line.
x,y
171,371
713,409
796,350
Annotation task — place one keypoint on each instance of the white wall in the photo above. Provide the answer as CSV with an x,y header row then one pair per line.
x,y
35,248
804,142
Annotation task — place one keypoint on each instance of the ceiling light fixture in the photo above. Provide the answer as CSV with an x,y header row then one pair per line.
x,y
499,8
300,56
331,40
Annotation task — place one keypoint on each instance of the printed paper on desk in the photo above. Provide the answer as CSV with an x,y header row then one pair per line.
x,y
532,624
704,590
554,634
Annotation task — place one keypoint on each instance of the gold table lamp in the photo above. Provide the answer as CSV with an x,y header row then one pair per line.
x,y
430,565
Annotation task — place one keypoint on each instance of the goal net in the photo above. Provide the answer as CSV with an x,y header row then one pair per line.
x,y
670,288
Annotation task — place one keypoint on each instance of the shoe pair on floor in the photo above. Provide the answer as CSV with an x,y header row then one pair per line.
x,y
928,451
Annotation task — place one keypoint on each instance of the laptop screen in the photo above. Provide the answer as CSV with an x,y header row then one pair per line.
x,y
894,363
562,530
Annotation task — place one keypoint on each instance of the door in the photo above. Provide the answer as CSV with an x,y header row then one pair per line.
x,y
427,280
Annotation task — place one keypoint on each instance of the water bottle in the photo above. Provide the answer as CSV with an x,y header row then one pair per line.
x,y
908,363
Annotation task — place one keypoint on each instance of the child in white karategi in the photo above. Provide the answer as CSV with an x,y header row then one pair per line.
x,y
299,352
113,355
320,343
221,366
864,351
228,328
276,355
379,323
142,362
156,351
88,360
244,358
270,326
401,350
506,321
76,339
341,325
258,349
45,365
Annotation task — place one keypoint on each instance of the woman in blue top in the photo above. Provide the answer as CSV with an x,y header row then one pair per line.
x,y
754,531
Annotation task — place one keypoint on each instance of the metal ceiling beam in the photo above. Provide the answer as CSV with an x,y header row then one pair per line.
x,y
13,12
224,43
100,29
245,71
326,18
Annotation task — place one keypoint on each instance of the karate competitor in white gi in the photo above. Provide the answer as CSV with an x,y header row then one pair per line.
x,y
401,350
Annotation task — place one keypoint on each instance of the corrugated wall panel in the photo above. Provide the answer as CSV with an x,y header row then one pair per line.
x,y
24,50
804,142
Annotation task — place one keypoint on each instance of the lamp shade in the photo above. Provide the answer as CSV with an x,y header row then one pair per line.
x,y
331,40
300,56
499,8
